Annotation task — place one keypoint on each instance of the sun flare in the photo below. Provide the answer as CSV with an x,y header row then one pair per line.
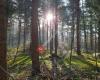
x,y
49,16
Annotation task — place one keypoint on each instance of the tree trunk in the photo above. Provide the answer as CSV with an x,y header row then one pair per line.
x,y
62,33
34,39
47,36
25,25
78,26
72,31
91,34
3,38
84,29
99,36
19,39
85,38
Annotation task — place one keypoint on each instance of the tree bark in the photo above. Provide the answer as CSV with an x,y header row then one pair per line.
x,y
91,34
3,38
99,36
78,26
84,29
34,39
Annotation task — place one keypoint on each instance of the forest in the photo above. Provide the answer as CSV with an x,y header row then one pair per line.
x,y
49,39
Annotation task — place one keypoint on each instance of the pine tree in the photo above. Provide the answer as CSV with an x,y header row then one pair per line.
x,y
34,38
3,29
78,26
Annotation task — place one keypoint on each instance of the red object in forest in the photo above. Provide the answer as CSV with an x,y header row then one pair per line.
x,y
40,49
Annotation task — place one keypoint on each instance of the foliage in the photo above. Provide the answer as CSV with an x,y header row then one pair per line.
x,y
95,5
11,7
81,66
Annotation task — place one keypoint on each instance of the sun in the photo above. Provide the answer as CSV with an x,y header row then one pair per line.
x,y
49,16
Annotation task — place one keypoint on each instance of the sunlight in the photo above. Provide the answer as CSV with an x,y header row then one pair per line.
x,y
49,16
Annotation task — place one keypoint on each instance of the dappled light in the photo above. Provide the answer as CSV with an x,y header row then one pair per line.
x,y
49,39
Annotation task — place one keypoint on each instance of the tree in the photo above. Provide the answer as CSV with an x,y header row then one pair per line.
x,y
78,26
34,38
3,31
91,33
95,5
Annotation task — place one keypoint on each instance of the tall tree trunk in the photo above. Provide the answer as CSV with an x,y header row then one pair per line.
x,y
99,36
43,33
85,37
91,37
56,31
47,36
78,26
72,30
19,38
39,34
91,34
62,33
3,36
34,39
24,42
25,25
84,28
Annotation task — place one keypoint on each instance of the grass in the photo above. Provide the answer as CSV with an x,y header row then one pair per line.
x,y
22,64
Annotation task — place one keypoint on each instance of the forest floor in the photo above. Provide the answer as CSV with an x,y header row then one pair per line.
x,y
82,67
